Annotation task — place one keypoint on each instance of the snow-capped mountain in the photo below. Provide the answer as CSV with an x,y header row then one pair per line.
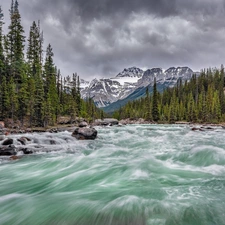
x,y
84,84
169,77
104,92
131,72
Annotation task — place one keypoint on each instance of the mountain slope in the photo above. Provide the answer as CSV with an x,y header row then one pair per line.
x,y
166,79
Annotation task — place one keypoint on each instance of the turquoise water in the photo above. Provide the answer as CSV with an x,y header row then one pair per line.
x,y
131,175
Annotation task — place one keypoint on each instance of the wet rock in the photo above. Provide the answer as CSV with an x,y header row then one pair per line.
x,y
8,141
26,151
196,129
52,142
14,157
22,140
209,128
106,122
10,150
85,133
26,138
111,121
52,130
39,130
83,124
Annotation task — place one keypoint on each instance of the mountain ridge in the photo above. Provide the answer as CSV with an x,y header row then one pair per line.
x,y
107,91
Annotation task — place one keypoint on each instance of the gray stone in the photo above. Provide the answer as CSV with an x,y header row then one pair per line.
x,y
10,150
106,122
85,133
8,141
83,124
111,121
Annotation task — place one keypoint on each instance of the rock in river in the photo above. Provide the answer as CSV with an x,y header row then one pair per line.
x,y
83,124
85,133
106,122
8,141
9,150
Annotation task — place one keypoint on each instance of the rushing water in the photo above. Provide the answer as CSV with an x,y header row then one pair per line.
x,y
132,175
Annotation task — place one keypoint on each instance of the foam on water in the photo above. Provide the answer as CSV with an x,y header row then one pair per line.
x,y
132,175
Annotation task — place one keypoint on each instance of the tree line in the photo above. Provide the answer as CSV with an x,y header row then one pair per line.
x,y
32,88
200,100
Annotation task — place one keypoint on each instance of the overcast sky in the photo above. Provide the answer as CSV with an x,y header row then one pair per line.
x,y
99,38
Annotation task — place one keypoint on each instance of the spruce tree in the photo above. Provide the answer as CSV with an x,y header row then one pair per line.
x,y
2,57
4,99
155,110
15,42
147,106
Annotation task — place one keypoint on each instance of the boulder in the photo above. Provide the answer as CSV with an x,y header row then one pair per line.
x,y
196,129
85,133
26,138
106,122
83,124
8,141
26,151
14,157
10,150
111,121
52,130
22,140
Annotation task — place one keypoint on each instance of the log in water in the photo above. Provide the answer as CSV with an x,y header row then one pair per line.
x,y
133,175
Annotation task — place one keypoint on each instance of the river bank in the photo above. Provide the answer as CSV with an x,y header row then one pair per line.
x,y
106,122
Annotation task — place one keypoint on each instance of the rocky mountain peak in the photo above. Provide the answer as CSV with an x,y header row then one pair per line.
x,y
178,71
131,72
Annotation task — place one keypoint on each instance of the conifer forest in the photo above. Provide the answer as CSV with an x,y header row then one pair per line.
x,y
201,100
32,88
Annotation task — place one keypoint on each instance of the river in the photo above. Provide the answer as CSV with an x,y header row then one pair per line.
x,y
130,175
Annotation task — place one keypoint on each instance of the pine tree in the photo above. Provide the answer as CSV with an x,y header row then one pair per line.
x,y
39,102
147,106
23,101
155,110
34,51
4,99
13,98
50,83
15,42
2,57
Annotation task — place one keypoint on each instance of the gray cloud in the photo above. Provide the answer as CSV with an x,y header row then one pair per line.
x,y
101,37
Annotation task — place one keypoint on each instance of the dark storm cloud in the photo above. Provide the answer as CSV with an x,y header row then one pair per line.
x,y
101,37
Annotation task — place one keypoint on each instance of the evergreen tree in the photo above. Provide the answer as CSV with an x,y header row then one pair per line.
x,y
13,98
148,107
2,57
155,111
15,43
4,99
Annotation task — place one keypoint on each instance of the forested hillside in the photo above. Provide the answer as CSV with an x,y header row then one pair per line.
x,y
200,100
31,86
